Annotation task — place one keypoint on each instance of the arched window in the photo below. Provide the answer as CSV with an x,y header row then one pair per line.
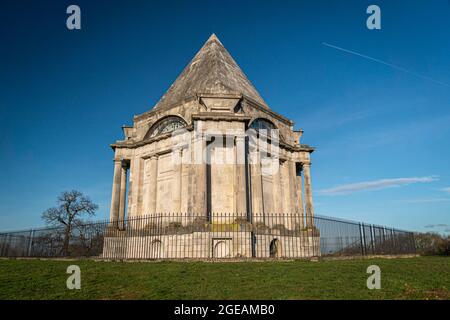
x,y
260,123
165,125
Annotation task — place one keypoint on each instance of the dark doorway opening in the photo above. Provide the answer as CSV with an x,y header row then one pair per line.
x,y
274,248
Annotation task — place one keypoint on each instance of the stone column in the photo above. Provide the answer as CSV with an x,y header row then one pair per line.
x,y
298,178
131,204
115,198
293,189
309,210
123,195
276,192
284,207
240,189
152,193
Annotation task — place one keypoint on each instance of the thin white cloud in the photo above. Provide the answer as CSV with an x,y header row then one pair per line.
x,y
441,225
376,185
393,66
446,189
426,200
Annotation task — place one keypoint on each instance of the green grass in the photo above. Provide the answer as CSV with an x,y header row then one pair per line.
x,y
408,278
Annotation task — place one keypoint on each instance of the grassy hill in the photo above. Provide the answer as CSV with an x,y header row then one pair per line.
x,y
406,278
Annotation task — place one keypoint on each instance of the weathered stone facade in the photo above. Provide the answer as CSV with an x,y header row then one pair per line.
x,y
195,154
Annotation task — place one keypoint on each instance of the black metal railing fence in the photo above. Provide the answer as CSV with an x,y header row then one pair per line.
x,y
178,236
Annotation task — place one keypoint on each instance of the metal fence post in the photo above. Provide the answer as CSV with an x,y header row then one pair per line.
x,y
393,241
7,244
413,240
361,236
3,249
30,243
372,240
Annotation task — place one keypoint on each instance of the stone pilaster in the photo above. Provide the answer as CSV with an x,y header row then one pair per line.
x,y
284,207
185,180
178,167
153,184
256,183
146,181
276,191
199,190
140,183
276,176
309,209
240,180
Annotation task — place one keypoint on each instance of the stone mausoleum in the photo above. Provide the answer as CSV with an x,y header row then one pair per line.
x,y
211,172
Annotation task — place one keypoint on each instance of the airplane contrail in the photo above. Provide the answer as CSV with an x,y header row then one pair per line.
x,y
386,64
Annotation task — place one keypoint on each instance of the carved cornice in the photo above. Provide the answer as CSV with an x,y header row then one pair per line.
x,y
197,96
208,116
154,111
134,144
258,106
220,116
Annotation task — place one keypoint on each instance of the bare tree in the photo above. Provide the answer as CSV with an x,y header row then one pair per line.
x,y
71,206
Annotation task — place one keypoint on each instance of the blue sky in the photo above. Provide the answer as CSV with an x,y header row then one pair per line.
x,y
381,130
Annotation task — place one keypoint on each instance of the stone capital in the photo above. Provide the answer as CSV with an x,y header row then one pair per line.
x,y
125,163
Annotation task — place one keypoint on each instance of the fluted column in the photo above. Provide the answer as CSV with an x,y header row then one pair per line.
x,y
123,195
308,195
152,194
240,189
115,197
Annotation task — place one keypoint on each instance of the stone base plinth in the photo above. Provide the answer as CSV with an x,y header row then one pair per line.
x,y
207,245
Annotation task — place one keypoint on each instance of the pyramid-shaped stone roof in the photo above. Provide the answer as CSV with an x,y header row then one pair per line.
x,y
212,71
